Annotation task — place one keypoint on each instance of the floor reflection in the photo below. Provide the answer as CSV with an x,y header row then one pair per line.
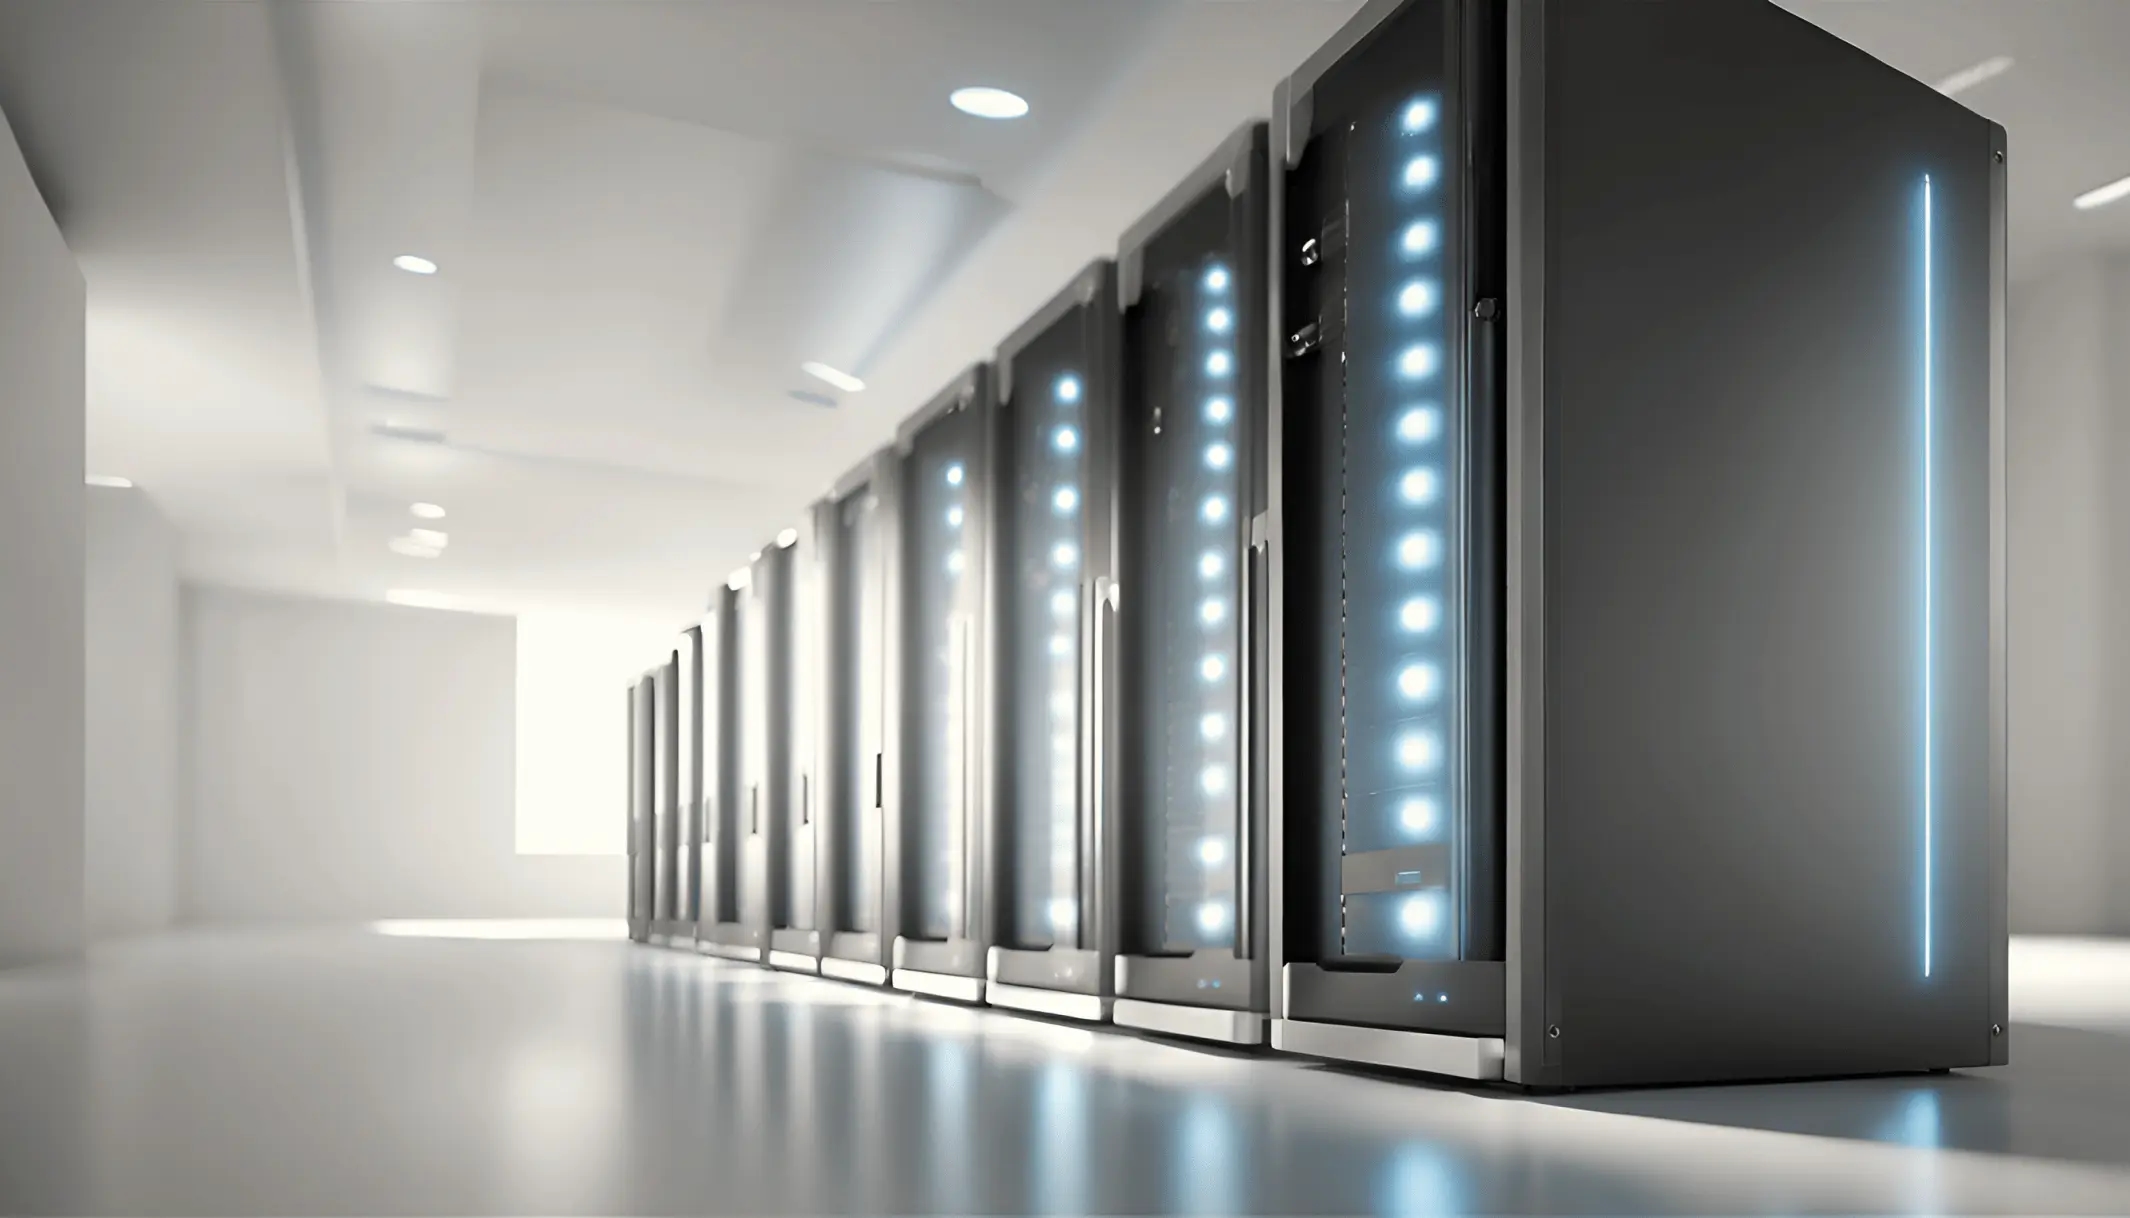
x,y
316,1073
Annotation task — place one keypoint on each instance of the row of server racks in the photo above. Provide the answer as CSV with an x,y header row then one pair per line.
x,y
1501,575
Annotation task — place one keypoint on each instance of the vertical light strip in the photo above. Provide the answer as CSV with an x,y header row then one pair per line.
x,y
1929,546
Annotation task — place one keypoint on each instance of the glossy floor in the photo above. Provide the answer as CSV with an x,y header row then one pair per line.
x,y
316,1071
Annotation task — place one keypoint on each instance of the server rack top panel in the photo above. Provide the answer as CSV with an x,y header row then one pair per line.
x,y
1757,355
940,691
853,524
1053,603
1191,897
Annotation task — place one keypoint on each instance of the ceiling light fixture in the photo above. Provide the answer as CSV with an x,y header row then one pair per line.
x,y
414,264
435,539
834,376
426,511
983,101
1968,78
407,547
2101,196
113,481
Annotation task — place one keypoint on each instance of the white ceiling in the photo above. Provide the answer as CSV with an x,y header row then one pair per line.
x,y
647,215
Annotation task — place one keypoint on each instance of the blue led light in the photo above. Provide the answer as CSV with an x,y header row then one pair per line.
x,y
1421,172
1212,917
955,562
1419,549
1419,360
1064,554
1219,410
954,517
1420,615
1066,440
1419,750
1215,509
1419,682
1929,590
1068,388
1219,321
1066,500
1420,915
1218,456
1213,727
1214,780
1419,816
1419,425
1213,668
1420,237
954,474
1217,279
1212,852
1060,645
1418,298
1062,604
1219,364
1419,116
1210,565
1061,911
1213,612
1419,486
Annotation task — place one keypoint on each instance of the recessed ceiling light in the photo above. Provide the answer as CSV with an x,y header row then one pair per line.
x,y
1968,78
111,480
410,548
2101,196
984,101
834,376
414,264
787,539
435,539
427,511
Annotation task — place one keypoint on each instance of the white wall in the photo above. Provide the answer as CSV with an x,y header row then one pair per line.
x,y
130,626
2069,567
573,733
356,761
41,438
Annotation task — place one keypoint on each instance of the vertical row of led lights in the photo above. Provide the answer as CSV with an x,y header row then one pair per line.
x,y
1421,553
1216,573
953,735
1062,581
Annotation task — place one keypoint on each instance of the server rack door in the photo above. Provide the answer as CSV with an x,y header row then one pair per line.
x,y
942,678
640,853
689,717
1390,522
789,588
664,774
724,928
1193,455
762,875
853,688
1052,605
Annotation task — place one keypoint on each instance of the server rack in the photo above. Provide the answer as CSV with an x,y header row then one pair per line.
x,y
940,686
1638,529
856,528
1053,596
667,929
723,928
688,789
790,590
642,855
1191,888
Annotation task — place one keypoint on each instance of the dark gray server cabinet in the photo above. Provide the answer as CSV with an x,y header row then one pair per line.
x,y
939,689
769,814
642,854
688,747
1638,525
667,929
855,529
1053,598
1191,886
790,601
722,929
